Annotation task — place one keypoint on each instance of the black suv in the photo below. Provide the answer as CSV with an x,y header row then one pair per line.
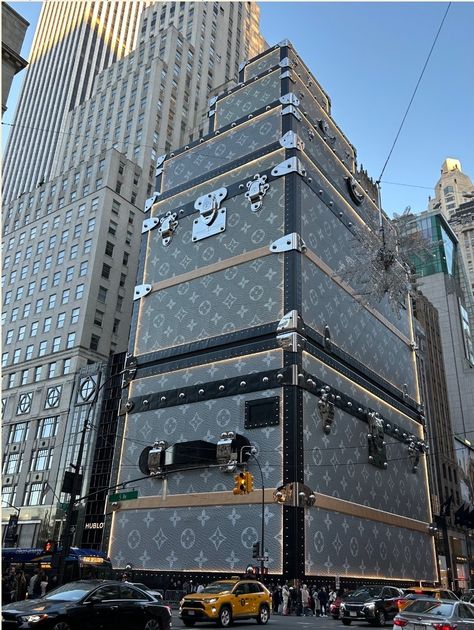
x,y
375,604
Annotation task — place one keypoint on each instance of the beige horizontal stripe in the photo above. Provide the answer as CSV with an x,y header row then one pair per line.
x,y
215,267
348,289
333,504
323,501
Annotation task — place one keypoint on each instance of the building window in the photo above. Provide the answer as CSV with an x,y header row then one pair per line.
x,y
29,352
70,340
60,320
24,403
83,269
34,494
87,246
53,397
11,380
66,366
65,296
91,224
52,369
4,359
94,344
75,315
106,269
42,349
16,356
69,274
79,291
51,301
102,294
47,324
12,464
56,344
47,427
37,376
98,318
43,459
24,377
9,494
18,432
109,249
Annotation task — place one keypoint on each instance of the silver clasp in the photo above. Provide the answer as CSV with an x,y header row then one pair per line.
x,y
256,191
168,225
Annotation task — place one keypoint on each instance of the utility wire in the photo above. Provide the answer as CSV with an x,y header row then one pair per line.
x,y
414,92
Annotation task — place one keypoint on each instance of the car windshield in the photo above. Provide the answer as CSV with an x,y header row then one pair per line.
x,y
367,591
218,587
72,592
430,607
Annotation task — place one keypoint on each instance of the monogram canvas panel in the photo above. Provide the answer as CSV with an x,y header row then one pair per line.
x,y
205,420
244,172
355,330
254,68
235,299
328,238
222,149
328,163
196,539
337,464
245,231
208,372
368,400
348,546
248,99
307,79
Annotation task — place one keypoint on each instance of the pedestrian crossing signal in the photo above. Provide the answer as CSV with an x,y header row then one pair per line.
x,y
256,550
49,546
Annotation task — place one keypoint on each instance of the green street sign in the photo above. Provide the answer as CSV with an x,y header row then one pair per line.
x,y
63,506
123,496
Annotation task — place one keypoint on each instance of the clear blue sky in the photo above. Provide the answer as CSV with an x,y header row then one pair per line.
x,y
368,57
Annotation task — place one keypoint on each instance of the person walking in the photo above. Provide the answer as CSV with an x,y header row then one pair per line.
x,y
323,599
305,600
317,603
285,592
43,582
20,587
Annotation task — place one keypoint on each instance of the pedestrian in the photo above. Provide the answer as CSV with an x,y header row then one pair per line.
x,y
298,600
285,591
43,581
276,599
323,600
200,588
317,603
34,587
20,587
305,600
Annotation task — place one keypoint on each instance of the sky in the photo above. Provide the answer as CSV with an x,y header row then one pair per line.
x,y
368,56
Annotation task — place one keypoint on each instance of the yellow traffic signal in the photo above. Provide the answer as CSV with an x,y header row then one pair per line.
x,y
249,483
240,483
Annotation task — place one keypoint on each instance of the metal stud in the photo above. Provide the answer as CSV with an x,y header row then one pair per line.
x,y
221,388
201,392
163,399
243,383
265,379
182,395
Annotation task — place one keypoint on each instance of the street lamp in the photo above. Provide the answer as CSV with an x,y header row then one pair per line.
x,y
252,451
68,531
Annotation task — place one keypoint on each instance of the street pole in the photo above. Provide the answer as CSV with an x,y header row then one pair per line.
x,y
262,535
68,530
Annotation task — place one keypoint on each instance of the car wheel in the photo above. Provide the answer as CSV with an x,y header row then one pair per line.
x,y
225,617
263,615
346,622
152,624
62,625
189,623
380,618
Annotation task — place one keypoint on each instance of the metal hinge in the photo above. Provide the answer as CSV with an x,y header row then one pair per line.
x,y
242,65
287,243
292,342
292,165
211,113
150,201
141,290
291,140
289,99
286,63
212,101
284,42
291,109
288,321
159,163
212,217
287,75
150,224
256,191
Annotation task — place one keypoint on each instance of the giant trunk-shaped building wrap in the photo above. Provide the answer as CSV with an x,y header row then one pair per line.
x,y
250,319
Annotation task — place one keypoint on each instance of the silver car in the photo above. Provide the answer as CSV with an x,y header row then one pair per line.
x,y
435,614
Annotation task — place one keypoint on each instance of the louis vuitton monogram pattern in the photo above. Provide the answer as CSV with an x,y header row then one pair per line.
x,y
196,539
248,99
337,544
270,60
245,231
221,150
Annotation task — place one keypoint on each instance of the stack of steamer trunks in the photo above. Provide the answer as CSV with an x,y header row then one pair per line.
x,y
243,325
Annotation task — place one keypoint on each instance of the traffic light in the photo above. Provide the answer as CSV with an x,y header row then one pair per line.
x,y
256,550
249,478
49,546
240,483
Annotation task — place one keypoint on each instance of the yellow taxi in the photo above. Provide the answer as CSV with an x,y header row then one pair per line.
x,y
225,601
409,594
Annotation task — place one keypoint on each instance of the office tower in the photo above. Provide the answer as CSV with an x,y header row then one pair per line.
x,y
73,42
451,188
71,245
272,407
13,33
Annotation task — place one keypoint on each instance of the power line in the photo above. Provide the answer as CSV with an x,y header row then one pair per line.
x,y
414,93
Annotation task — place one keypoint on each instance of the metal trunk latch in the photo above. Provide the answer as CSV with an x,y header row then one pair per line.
x,y
212,217
256,191
168,225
